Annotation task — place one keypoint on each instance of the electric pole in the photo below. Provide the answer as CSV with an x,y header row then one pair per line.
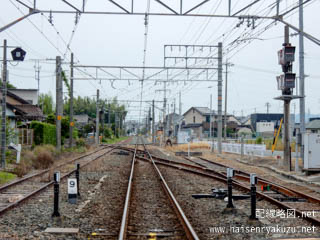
x,y
210,125
301,80
268,106
153,126
180,104
4,106
37,69
71,104
97,117
219,97
59,101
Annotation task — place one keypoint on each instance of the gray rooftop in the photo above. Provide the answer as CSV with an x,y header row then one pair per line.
x,y
315,124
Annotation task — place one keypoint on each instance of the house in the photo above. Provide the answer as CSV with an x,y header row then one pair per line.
x,y
313,126
30,95
81,120
172,122
198,119
19,109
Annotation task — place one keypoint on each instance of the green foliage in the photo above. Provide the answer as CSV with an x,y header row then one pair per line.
x,y
9,85
51,118
46,103
80,142
259,140
44,133
6,177
107,133
65,80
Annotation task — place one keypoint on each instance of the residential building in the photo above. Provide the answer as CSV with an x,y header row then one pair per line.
x,y
198,119
19,109
30,95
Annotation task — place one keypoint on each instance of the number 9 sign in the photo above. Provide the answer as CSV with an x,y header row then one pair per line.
x,y
72,186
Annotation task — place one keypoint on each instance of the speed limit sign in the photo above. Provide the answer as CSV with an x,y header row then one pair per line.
x,y
72,190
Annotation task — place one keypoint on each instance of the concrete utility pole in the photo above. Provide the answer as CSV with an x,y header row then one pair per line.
x,y
37,69
153,125
210,126
286,109
102,118
149,121
109,115
164,110
59,101
71,104
4,106
268,106
301,79
210,134
219,97
97,116
225,102
180,104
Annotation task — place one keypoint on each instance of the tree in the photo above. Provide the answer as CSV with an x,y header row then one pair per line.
x,y
9,85
46,103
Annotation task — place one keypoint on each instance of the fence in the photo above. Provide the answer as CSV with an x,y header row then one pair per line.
x,y
248,149
21,136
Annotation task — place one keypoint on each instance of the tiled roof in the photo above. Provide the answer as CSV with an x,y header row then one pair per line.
x,y
30,110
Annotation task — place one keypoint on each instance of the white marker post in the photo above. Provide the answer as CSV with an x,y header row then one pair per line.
x,y
188,139
72,190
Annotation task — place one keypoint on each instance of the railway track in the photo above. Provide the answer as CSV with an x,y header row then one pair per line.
x,y
283,197
148,209
15,193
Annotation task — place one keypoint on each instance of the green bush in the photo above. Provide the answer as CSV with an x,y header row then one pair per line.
x,y
44,133
80,142
259,140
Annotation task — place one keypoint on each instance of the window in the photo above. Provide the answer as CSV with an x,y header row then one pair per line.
x,y
194,119
193,110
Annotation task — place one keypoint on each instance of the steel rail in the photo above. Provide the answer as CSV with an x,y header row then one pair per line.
x,y
243,187
236,184
276,186
6,186
124,221
190,232
32,194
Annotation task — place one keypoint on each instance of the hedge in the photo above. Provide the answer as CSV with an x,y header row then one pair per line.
x,y
44,133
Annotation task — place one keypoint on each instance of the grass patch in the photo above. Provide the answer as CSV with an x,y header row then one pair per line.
x,y
184,147
115,140
6,177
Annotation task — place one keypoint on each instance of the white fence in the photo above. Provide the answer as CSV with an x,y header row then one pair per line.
x,y
248,149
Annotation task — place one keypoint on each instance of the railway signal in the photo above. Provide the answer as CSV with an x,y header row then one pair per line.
x,y
286,84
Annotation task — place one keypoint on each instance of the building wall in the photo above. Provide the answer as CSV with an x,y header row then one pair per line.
x,y
265,127
188,117
29,95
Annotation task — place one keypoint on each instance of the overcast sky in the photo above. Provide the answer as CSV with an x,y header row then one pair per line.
x,y
119,40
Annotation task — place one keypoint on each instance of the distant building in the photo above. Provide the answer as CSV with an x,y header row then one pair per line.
x,y
198,120
275,118
81,120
